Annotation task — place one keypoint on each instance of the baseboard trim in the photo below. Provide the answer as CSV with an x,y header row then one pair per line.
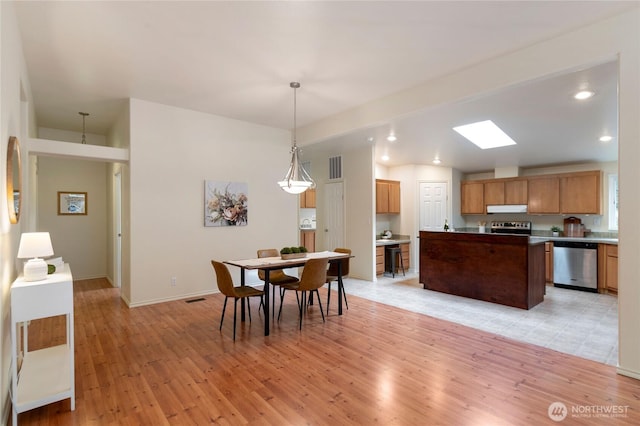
x,y
172,299
628,373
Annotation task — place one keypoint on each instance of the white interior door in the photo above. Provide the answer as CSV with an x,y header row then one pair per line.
x,y
333,215
117,205
433,205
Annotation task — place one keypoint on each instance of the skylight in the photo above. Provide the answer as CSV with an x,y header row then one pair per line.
x,y
485,134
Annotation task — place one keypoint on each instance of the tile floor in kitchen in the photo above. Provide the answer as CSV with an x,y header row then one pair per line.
x,y
569,321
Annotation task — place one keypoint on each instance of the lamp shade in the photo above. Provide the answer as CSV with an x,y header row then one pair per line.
x,y
35,244
297,179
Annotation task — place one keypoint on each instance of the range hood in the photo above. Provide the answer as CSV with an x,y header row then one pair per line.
x,y
507,208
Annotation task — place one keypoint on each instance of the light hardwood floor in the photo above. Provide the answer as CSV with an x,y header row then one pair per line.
x,y
167,364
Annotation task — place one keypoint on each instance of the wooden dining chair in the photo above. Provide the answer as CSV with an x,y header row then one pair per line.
x,y
314,276
226,287
332,275
276,277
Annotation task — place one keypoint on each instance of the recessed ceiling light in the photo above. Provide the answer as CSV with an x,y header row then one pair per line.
x,y
485,134
584,94
391,138
385,157
436,160
370,138
606,138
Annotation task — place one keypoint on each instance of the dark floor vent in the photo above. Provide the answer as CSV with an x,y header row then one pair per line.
x,y
199,299
335,167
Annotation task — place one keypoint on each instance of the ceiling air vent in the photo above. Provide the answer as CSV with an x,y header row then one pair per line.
x,y
335,167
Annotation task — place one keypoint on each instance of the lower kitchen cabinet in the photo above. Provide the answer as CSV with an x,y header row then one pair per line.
x,y
405,250
548,262
379,260
308,240
607,268
611,268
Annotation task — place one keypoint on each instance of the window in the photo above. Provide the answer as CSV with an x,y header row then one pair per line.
x,y
613,202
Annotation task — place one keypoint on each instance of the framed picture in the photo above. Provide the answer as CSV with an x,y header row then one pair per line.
x,y
225,203
72,203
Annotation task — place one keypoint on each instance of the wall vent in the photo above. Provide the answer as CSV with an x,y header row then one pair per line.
x,y
335,167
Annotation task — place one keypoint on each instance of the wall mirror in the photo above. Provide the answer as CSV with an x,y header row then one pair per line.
x,y
14,179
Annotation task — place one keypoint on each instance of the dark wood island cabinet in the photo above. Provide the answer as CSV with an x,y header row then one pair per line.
x,y
498,268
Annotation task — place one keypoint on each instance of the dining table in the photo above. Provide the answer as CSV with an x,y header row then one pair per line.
x,y
268,264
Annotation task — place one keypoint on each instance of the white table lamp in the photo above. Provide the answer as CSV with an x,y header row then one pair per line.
x,y
34,245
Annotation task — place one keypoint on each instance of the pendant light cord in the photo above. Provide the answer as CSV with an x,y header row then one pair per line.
x,y
295,85
84,115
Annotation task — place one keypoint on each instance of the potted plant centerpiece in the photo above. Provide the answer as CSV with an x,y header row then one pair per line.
x,y
555,230
293,252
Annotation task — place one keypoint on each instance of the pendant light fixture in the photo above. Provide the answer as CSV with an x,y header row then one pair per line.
x,y
297,180
84,115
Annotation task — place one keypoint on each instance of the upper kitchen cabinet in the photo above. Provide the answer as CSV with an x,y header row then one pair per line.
x,y
544,195
472,198
308,199
580,193
516,191
566,193
387,196
505,192
494,193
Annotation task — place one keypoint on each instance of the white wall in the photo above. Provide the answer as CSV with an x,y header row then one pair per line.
x,y
359,193
172,152
359,200
118,137
13,122
81,240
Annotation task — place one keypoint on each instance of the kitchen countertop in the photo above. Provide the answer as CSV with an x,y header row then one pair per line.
x,y
537,239
395,239
575,239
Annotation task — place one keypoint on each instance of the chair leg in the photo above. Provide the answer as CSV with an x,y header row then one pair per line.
x,y
282,290
249,308
224,308
273,303
301,306
328,296
235,307
320,304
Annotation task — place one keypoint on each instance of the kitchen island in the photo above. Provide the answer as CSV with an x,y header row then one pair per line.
x,y
499,268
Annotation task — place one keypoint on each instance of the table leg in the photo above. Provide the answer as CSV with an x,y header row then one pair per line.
x,y
266,302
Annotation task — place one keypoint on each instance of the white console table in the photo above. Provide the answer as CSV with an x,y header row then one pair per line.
x,y
45,375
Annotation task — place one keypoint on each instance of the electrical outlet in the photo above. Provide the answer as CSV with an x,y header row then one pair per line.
x,y
173,281
596,221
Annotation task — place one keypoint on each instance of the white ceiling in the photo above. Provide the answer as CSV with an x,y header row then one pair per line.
x,y
236,59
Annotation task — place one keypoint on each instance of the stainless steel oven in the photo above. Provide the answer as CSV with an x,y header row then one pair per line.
x,y
512,227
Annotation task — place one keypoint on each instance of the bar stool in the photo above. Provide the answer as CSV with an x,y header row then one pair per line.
x,y
394,252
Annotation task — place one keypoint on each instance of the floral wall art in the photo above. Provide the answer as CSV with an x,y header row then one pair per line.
x,y
225,203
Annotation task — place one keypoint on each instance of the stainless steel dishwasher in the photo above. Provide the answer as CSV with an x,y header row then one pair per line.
x,y
575,265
